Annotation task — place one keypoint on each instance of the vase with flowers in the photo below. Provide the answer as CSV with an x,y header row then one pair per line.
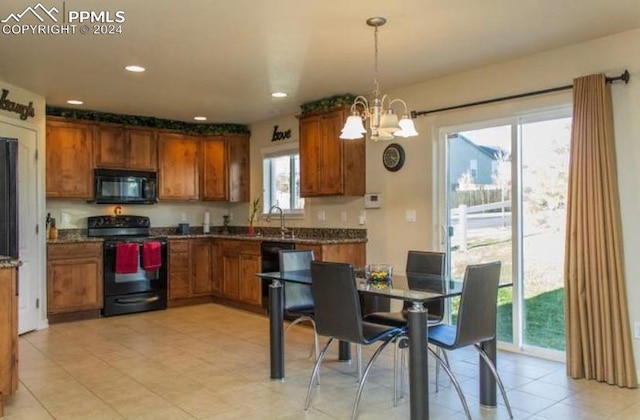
x,y
254,208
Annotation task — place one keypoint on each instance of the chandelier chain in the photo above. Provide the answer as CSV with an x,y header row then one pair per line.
x,y
375,76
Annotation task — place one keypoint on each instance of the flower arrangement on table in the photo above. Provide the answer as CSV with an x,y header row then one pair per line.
x,y
378,275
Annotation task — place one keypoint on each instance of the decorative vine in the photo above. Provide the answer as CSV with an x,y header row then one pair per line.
x,y
327,103
152,122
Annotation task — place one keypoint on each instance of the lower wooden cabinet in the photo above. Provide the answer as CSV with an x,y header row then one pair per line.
x,y
241,261
8,334
74,277
191,264
353,253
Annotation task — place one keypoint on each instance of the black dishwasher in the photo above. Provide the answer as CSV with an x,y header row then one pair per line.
x,y
270,258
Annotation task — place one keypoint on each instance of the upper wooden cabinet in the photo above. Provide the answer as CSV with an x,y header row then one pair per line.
x,y
225,168
178,167
328,164
125,148
69,168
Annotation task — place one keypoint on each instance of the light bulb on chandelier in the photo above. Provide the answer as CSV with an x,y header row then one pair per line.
x,y
383,121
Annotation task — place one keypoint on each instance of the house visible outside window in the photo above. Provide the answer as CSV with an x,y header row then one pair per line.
x,y
281,175
473,168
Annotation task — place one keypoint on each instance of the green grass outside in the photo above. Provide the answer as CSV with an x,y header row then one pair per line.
x,y
544,318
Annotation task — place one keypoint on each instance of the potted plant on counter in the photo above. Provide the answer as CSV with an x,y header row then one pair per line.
x,y
254,208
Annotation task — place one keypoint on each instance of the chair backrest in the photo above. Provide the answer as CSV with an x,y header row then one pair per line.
x,y
431,264
294,260
296,296
337,306
478,304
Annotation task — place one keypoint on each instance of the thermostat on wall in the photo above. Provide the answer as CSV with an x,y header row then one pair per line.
x,y
372,201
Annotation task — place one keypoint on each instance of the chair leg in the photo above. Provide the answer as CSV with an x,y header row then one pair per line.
x,y
316,368
316,347
494,372
454,381
359,357
356,403
398,341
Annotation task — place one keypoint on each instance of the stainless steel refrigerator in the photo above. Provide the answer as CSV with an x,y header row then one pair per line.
x,y
9,197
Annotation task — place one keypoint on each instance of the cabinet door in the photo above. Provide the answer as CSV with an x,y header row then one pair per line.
x,y
250,285
214,168
74,284
231,270
331,157
69,166
309,156
201,267
179,274
143,150
178,167
217,273
238,161
110,147
8,332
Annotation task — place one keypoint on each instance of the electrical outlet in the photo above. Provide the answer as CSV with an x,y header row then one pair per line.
x,y
343,216
636,330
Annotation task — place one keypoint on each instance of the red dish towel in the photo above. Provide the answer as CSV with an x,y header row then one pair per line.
x,y
151,257
127,257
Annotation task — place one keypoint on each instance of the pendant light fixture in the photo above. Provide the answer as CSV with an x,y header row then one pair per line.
x,y
383,121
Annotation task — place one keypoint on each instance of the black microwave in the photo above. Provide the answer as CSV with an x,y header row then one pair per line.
x,y
113,186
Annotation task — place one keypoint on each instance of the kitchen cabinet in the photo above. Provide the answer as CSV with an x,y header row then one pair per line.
x,y
120,147
240,262
225,168
178,167
353,253
330,166
74,277
191,265
8,334
69,167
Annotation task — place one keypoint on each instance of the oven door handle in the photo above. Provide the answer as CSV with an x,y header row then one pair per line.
x,y
139,300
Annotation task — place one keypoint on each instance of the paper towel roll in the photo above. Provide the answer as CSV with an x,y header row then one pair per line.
x,y
206,217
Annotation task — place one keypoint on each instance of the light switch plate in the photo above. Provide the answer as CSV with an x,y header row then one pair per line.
x,y
343,216
322,215
410,216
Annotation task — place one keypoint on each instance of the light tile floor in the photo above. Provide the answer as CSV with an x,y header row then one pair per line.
x,y
212,362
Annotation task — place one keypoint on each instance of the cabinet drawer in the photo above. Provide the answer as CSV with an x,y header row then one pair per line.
x,y
178,246
76,250
241,247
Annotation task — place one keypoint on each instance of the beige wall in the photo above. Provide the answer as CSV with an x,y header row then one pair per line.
x,y
411,188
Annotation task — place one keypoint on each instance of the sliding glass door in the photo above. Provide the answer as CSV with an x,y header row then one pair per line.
x,y
502,194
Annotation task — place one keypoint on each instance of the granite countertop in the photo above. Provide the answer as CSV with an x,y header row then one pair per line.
x,y
319,236
245,237
9,262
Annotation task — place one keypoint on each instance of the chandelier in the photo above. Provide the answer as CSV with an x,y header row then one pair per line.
x,y
383,121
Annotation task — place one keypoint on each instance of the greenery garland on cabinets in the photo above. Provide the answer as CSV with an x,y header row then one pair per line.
x,y
151,122
326,104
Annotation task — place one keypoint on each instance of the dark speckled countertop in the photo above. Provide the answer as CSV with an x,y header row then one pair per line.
x,y
9,262
301,235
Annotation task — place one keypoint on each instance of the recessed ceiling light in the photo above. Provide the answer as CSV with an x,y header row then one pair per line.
x,y
200,118
279,94
74,102
135,69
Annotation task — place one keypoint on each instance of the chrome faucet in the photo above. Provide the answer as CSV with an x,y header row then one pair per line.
x,y
283,230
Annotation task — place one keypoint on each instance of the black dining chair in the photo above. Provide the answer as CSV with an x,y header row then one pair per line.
x,y
298,298
338,316
476,320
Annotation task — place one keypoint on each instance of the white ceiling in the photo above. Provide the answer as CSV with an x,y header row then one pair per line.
x,y
222,58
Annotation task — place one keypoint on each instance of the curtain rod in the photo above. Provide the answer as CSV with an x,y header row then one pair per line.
x,y
623,77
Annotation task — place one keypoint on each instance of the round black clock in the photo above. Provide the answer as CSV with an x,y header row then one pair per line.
x,y
393,157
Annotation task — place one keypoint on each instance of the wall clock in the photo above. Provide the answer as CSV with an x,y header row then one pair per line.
x,y
393,157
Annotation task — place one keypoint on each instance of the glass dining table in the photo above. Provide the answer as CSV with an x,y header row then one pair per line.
x,y
417,332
